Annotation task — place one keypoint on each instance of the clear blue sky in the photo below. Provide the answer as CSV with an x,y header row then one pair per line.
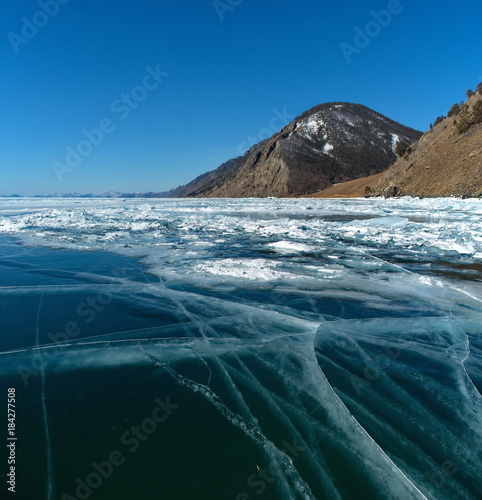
x,y
230,63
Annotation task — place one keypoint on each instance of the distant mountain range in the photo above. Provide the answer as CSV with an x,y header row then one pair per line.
x,y
109,194
328,144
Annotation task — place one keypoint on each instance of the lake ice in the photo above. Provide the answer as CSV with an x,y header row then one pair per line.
x,y
309,349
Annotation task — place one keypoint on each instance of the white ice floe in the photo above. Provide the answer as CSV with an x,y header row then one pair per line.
x,y
290,246
254,269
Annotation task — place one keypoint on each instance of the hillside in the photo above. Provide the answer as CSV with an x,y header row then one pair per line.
x,y
446,161
349,189
328,144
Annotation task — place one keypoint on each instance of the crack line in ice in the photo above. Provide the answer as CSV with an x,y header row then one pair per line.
x,y
462,385
388,263
249,429
400,396
208,368
48,443
274,401
316,369
357,425
147,340
204,327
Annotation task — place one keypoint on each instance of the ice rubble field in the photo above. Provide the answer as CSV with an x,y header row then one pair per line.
x,y
442,227
351,327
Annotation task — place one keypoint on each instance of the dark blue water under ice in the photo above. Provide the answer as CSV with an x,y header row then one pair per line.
x,y
243,349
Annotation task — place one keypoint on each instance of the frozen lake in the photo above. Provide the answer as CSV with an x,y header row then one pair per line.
x,y
243,349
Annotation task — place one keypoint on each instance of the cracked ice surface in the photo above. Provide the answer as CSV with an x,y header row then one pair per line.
x,y
351,327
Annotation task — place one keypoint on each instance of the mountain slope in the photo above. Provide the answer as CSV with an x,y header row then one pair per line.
x,y
349,189
327,144
446,161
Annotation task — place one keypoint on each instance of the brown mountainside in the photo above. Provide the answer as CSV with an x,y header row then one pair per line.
x,y
446,161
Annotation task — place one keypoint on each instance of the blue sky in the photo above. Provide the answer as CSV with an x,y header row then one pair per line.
x,y
177,88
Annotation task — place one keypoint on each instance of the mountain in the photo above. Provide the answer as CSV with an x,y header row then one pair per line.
x,y
328,144
109,194
446,161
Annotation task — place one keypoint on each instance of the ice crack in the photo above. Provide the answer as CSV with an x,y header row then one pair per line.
x,y
48,441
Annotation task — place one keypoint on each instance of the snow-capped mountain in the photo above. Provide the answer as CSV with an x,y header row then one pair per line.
x,y
327,144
